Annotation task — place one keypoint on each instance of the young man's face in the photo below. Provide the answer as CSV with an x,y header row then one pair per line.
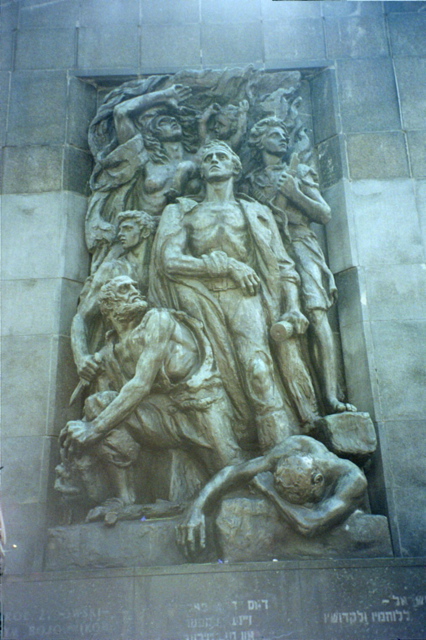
x,y
129,234
275,141
217,165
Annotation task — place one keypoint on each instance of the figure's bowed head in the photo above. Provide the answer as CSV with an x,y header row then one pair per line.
x,y
298,480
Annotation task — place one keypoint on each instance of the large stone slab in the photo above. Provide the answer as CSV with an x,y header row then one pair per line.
x,y
304,600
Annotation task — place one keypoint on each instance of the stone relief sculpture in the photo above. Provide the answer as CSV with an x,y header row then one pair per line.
x,y
202,330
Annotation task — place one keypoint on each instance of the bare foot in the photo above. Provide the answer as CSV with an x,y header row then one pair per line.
x,y
335,406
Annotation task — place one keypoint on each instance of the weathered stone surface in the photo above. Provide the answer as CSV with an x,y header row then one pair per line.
x,y
372,110
45,48
361,535
406,5
333,9
411,79
7,44
161,11
405,478
81,110
25,531
25,414
332,161
386,223
421,207
37,107
218,43
377,155
350,435
40,219
361,386
78,165
4,104
92,546
38,306
183,46
324,106
32,169
115,45
407,34
352,290
400,354
416,147
341,245
283,10
25,460
293,39
396,292
213,12
53,14
95,12
356,37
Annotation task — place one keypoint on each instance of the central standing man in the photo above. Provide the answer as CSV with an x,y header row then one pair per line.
x,y
223,262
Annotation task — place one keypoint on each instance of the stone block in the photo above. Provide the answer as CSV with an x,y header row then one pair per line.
x,y
405,478
324,105
77,169
229,12
332,162
24,463
9,13
32,169
63,382
114,46
182,49
75,265
25,525
399,359
284,10
4,103
405,5
31,307
81,111
361,535
50,231
341,242
164,12
356,37
411,79
25,389
407,34
375,109
348,435
352,300
293,39
396,292
45,48
74,608
37,107
94,545
335,9
421,207
52,14
7,47
96,12
416,149
377,155
69,293
218,43
387,227
360,383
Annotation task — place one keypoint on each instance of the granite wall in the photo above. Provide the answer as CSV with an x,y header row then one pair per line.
x,y
367,75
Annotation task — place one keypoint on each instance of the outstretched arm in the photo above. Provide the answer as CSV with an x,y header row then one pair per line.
x,y
191,534
125,111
